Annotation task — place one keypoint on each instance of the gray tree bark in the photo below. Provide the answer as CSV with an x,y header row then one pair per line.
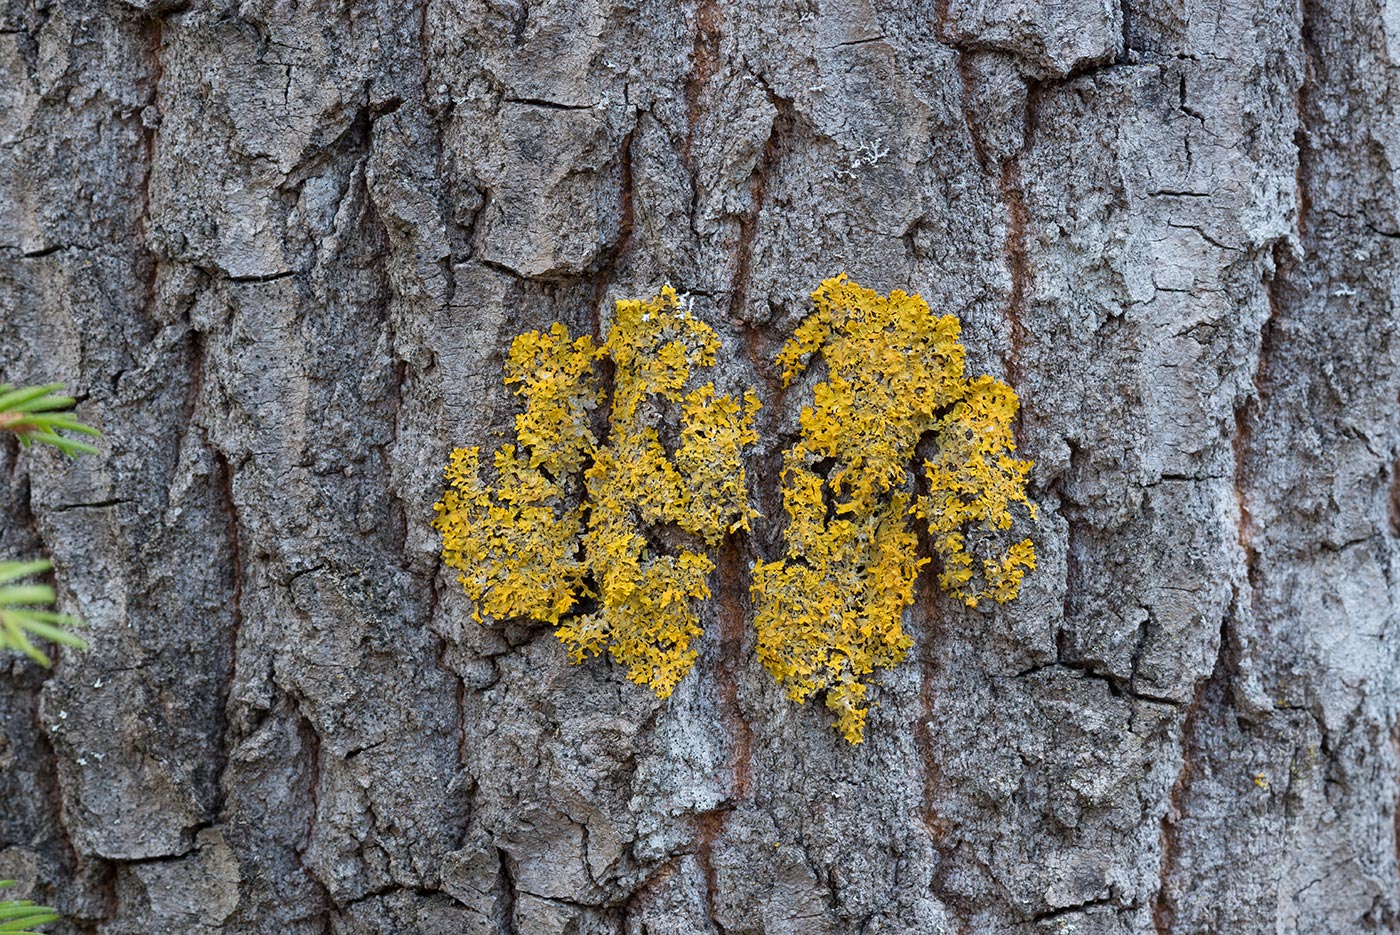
x,y
279,249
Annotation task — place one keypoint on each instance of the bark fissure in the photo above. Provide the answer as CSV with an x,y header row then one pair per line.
x,y
758,195
235,611
733,607
1018,265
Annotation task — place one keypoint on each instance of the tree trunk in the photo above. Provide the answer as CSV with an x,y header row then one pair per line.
x,y
280,249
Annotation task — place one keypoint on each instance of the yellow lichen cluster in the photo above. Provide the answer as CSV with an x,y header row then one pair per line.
x,y
972,483
610,541
625,522
830,612
517,542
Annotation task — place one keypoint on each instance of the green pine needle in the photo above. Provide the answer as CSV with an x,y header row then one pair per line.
x,y
21,916
24,614
39,414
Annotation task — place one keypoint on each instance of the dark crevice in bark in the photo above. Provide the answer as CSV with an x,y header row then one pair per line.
x,y
1117,687
423,892
1030,121
733,617
1249,415
617,254
851,42
1125,52
96,505
1017,263
704,61
1185,108
397,508
1302,137
149,261
548,105
264,277
1207,708
709,826
504,893
459,240
1077,907
425,69
443,664
235,611
758,196
310,743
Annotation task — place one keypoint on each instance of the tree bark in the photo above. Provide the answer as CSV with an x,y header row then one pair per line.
x,y
279,250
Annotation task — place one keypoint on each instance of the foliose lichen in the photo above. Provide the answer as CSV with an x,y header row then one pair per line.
x,y
609,541
607,533
829,613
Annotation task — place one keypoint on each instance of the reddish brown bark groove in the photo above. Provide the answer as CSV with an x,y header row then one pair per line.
x,y
648,887
1393,496
937,826
940,21
1395,816
733,618
974,129
1017,263
709,827
758,194
704,61
626,225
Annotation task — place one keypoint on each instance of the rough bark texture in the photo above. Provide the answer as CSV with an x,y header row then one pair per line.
x,y
279,250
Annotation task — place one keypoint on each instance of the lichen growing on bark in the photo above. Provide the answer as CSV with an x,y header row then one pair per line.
x,y
829,613
610,541
569,531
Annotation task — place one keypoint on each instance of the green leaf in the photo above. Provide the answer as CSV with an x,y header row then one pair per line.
x,y
12,636
54,634
66,445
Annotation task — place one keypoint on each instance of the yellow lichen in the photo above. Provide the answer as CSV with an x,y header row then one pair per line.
x,y
624,522
516,542
611,541
972,484
830,612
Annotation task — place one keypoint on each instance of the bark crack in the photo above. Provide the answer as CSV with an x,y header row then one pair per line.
x,y
626,225
1018,263
758,195
704,60
733,616
235,610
